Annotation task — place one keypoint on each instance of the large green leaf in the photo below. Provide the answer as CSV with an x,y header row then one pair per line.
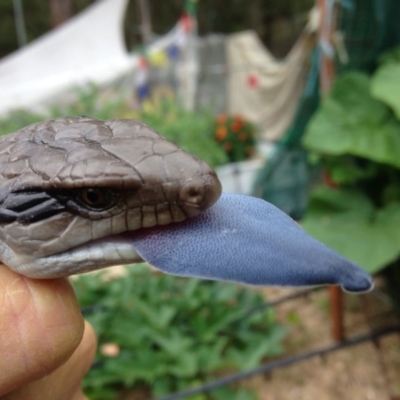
x,y
351,121
385,86
346,221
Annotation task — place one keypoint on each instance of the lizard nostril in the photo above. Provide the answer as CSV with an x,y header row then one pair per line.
x,y
198,194
192,194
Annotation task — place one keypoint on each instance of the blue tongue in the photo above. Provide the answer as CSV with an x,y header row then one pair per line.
x,y
247,240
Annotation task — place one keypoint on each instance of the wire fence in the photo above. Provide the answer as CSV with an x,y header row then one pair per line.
x,y
373,336
282,363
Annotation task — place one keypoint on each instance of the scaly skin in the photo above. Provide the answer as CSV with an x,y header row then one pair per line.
x,y
79,194
44,168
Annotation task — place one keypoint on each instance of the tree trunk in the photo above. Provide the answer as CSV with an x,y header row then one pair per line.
x,y
255,17
145,22
61,11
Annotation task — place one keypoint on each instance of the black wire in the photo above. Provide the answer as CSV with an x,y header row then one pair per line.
x,y
270,366
88,310
280,300
281,363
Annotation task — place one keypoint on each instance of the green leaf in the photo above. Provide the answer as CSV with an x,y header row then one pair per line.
x,y
159,318
385,86
227,393
211,355
193,131
173,342
173,331
254,355
346,221
293,317
349,169
351,121
325,200
390,56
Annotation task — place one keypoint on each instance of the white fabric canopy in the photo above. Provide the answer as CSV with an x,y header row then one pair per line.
x,y
88,48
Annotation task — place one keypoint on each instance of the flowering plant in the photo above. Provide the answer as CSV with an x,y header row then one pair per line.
x,y
236,136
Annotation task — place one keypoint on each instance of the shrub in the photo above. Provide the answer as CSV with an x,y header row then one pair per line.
x,y
169,333
190,130
236,136
356,136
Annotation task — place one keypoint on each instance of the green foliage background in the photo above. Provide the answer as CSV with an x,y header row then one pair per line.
x,y
174,333
193,131
356,135
213,16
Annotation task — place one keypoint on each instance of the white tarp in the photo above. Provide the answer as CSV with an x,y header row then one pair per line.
x,y
88,48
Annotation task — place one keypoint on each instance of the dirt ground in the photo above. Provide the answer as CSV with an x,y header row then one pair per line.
x,y
366,371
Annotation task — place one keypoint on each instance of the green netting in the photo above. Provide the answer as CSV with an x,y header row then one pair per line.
x,y
286,175
283,180
369,27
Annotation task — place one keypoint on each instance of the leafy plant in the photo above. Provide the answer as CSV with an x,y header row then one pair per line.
x,y
348,221
351,121
190,130
385,84
236,136
172,333
17,120
356,136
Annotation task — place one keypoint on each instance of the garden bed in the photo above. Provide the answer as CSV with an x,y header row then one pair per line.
x,y
360,372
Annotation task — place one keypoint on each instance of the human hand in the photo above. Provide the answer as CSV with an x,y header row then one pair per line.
x,y
45,345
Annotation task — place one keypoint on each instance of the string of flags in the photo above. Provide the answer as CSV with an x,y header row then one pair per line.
x,y
161,58
172,53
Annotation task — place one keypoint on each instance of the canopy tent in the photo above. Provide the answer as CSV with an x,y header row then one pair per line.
x,y
89,48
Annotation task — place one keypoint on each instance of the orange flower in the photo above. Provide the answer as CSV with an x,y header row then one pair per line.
x,y
221,119
239,118
221,133
236,125
243,137
249,150
228,146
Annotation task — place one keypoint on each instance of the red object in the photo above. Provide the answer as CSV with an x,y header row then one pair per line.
x,y
336,300
253,81
328,181
186,22
327,75
143,64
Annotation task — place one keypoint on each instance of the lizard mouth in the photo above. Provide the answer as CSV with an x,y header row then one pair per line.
x,y
240,239
247,240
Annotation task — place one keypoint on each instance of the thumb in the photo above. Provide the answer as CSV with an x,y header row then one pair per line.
x,y
40,328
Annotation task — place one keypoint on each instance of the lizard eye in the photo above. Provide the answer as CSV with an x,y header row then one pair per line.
x,y
96,198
